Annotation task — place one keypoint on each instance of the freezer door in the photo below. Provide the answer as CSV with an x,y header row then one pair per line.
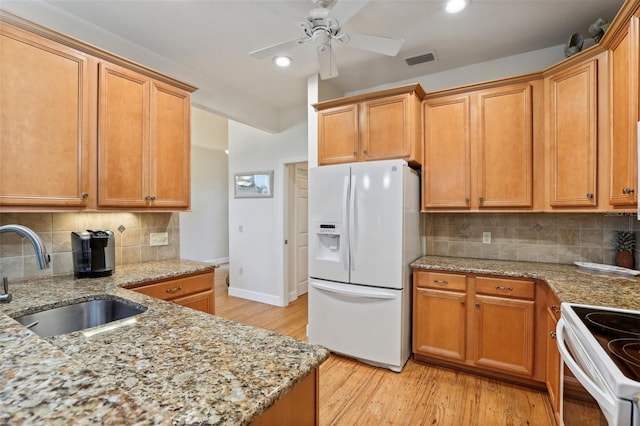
x,y
376,226
328,233
370,324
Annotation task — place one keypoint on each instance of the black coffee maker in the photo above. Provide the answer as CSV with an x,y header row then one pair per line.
x,y
93,253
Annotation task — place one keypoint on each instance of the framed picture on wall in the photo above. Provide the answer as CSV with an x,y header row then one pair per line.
x,y
254,184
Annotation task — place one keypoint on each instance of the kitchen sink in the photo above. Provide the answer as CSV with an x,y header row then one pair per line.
x,y
79,316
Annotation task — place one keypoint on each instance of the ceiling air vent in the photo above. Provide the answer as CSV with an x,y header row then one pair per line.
x,y
420,59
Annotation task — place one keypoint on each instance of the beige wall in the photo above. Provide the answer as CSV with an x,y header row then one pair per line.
x,y
17,258
536,237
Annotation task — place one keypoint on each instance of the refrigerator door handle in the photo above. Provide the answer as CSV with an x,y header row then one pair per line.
x,y
354,292
344,241
352,223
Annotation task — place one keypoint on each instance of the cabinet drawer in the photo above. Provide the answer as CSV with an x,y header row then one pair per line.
x,y
440,280
506,287
168,290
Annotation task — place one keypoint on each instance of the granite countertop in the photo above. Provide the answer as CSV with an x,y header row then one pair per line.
x,y
568,282
174,365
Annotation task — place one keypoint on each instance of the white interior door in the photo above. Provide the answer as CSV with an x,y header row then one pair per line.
x,y
301,227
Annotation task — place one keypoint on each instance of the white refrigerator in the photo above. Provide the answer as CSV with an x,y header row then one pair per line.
x,y
363,234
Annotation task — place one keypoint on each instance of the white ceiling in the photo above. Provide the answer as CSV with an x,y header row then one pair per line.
x,y
206,43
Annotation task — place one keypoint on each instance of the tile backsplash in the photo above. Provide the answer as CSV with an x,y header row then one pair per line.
x,y
17,258
535,237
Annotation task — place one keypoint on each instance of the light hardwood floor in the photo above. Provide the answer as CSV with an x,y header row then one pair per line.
x,y
352,393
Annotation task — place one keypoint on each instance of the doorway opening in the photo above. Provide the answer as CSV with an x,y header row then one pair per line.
x,y
296,230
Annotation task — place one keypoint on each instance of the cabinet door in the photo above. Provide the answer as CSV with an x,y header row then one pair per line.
x,y
439,323
170,145
504,334
44,122
505,147
338,135
553,364
624,116
385,128
123,138
572,134
446,164
200,301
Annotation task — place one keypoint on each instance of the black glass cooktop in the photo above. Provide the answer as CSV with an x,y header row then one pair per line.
x,y
619,335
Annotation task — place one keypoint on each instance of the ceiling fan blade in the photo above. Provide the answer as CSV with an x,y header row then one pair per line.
x,y
271,51
327,61
343,10
384,45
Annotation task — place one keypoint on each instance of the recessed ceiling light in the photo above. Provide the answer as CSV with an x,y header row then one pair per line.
x,y
282,61
455,6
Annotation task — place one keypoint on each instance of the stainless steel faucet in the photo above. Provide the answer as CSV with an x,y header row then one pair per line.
x,y
38,246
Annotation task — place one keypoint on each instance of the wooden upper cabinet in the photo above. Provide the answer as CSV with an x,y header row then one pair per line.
x,y
374,126
123,137
386,128
623,94
170,147
338,135
45,107
143,142
572,126
446,173
505,147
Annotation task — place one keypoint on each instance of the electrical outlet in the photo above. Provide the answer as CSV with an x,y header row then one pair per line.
x,y
240,270
486,238
158,239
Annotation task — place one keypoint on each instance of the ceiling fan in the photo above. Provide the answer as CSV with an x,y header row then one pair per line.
x,y
322,27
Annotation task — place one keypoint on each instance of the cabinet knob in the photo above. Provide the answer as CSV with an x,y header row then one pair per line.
x,y
481,199
552,334
147,198
631,190
477,305
364,152
462,303
355,153
555,309
153,198
84,195
625,190
589,195
466,200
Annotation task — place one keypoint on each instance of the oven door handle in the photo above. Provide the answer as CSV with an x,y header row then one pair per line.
x,y
606,402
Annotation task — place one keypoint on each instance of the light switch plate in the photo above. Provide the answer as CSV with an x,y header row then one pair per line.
x,y
486,238
158,239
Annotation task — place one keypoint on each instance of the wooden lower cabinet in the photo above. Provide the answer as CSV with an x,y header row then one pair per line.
x,y
487,324
195,291
299,407
552,376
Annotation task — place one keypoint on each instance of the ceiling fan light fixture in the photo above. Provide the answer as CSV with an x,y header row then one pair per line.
x,y
455,6
282,61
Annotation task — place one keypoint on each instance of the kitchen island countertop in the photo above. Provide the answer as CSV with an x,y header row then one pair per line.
x,y
569,282
173,365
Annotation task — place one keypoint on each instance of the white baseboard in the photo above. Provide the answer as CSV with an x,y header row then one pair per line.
x,y
302,289
255,296
217,261
293,295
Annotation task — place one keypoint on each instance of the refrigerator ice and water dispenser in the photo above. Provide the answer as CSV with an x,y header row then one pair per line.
x,y
328,241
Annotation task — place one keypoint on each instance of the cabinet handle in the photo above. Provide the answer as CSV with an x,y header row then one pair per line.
x,y
552,334
555,309
84,195
589,195
500,287
174,289
441,282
